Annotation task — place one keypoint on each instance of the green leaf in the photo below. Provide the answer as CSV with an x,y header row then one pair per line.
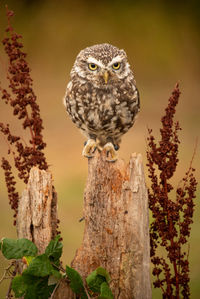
x,y
53,280
19,286
29,279
76,282
56,274
94,282
39,266
106,292
54,249
38,288
32,287
16,249
31,292
96,278
101,271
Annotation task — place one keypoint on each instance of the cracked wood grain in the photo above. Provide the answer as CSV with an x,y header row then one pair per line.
x,y
37,210
116,234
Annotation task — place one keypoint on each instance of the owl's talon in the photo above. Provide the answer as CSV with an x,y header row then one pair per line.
x,y
111,155
89,148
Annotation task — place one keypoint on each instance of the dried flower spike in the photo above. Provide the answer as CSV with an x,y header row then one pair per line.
x,y
22,99
172,217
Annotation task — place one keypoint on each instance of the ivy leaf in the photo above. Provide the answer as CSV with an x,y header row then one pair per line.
x,y
106,292
96,278
16,249
19,286
40,266
54,249
76,282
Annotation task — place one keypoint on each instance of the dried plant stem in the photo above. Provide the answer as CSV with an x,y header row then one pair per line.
x,y
5,272
171,218
53,293
172,246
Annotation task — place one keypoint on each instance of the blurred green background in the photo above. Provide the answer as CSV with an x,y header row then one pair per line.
x,y
162,41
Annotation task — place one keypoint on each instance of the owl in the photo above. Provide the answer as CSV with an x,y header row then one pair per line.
x,y
102,98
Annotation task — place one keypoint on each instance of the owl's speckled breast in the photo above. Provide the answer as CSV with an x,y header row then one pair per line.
x,y
102,113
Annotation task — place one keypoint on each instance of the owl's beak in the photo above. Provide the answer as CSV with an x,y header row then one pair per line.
x,y
105,76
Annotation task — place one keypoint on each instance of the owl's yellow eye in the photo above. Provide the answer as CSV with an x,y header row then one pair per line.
x,y
92,66
116,65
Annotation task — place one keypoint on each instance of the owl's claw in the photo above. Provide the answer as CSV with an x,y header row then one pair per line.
x,y
111,155
89,148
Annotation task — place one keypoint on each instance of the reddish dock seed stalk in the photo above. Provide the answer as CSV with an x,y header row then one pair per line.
x,y
10,183
22,99
172,218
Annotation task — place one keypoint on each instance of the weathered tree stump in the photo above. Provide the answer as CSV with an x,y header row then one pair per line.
x,y
37,218
116,234
37,210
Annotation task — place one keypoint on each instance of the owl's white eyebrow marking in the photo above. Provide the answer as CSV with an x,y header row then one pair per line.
x,y
95,61
79,71
117,58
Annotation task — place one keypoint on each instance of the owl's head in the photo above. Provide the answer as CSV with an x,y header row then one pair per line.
x,y
103,65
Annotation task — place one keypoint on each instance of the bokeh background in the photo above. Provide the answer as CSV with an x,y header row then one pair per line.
x,y
162,41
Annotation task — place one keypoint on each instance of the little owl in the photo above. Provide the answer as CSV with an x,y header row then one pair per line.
x,y
102,98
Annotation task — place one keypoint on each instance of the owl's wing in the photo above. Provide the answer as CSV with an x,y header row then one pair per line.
x,y
138,98
133,100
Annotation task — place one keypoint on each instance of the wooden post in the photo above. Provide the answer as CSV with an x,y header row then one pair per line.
x,y
37,218
37,210
116,234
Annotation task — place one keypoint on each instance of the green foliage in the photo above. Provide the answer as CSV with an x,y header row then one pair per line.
x,y
102,272
31,287
54,249
16,249
40,266
43,272
19,286
105,291
76,282
96,278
